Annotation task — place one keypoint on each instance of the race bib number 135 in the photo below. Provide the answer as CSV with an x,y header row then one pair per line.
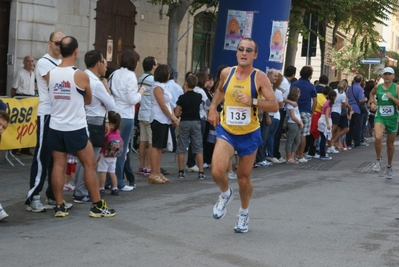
x,y
238,115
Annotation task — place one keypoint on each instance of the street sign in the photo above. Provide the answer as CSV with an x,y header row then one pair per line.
x,y
370,61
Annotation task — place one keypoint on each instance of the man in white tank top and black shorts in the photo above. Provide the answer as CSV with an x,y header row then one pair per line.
x,y
69,90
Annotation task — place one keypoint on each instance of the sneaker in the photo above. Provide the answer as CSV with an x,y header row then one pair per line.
x,y
147,172
141,170
282,160
377,166
361,145
115,192
82,199
242,223
206,165
232,175
164,172
132,184
308,157
68,187
182,175
389,172
36,205
275,160
126,188
316,156
219,210
265,163
61,210
102,211
3,214
192,169
102,192
201,176
332,150
302,160
325,158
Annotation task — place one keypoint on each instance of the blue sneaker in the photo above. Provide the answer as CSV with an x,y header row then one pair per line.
x,y
242,223
219,210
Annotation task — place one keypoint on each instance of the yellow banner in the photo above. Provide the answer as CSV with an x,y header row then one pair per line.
x,y
21,131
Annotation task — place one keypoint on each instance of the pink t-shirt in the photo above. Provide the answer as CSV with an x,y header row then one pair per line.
x,y
323,109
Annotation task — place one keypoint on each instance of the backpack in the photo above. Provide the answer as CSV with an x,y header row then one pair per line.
x,y
113,145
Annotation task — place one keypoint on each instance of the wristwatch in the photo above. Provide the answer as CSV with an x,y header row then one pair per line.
x,y
254,102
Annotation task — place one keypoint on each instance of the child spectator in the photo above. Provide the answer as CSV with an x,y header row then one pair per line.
x,y
4,119
72,160
187,107
294,125
112,149
324,124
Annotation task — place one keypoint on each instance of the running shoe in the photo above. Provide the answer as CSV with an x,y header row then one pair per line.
x,y
101,210
36,205
242,223
389,172
377,166
61,210
219,210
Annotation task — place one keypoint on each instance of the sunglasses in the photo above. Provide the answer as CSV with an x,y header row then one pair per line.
x,y
57,43
246,49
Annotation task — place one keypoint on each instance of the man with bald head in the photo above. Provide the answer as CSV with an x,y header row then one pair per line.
x,y
24,82
69,92
42,160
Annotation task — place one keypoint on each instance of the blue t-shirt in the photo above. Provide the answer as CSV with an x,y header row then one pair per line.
x,y
355,93
308,92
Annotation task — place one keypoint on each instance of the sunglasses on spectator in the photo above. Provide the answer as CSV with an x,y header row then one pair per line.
x,y
246,49
57,43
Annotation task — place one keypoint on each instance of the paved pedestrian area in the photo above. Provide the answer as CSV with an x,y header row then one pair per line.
x,y
320,213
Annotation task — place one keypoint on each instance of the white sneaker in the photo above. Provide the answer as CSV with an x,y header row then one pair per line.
x,y
332,150
275,160
192,169
377,166
206,165
36,205
316,156
219,210
51,204
68,187
242,223
302,160
232,175
3,214
126,188
265,163
389,172
282,160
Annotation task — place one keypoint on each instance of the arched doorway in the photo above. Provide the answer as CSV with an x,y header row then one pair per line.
x,y
115,27
203,39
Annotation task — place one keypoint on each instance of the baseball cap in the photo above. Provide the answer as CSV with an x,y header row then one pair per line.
x,y
388,70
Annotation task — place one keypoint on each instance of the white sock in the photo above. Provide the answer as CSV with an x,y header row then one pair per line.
x,y
243,211
226,194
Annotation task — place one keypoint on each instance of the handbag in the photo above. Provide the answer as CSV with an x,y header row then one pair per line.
x,y
362,106
97,134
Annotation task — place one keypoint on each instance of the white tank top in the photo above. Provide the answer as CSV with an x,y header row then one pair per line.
x,y
67,101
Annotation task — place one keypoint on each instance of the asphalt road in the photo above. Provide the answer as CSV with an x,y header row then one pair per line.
x,y
321,213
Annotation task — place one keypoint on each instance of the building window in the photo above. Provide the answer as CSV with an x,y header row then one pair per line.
x,y
203,39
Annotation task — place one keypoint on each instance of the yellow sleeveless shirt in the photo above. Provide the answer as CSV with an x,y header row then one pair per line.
x,y
238,118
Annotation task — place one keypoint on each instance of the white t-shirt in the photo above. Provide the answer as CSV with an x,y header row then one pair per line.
x,y
175,90
341,98
101,101
296,112
24,82
124,87
285,86
156,111
205,103
279,98
43,66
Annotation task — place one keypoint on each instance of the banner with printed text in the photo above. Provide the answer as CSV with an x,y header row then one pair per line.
x,y
277,41
239,25
21,130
